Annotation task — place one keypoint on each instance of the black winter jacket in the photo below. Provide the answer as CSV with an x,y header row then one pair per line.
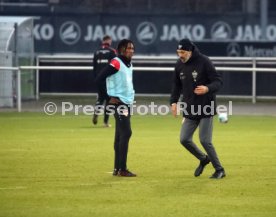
x,y
198,70
101,59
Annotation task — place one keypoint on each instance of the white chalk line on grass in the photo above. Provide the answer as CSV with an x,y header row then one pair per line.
x,y
13,150
13,188
81,184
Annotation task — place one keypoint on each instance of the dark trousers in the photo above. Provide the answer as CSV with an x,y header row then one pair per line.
x,y
205,135
102,100
122,135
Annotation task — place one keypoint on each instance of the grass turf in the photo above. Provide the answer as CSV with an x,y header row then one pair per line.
x,y
60,166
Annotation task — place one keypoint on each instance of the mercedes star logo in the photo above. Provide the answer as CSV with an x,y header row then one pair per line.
x,y
233,50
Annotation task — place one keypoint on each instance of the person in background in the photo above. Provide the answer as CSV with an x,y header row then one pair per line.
x,y
102,57
198,81
118,77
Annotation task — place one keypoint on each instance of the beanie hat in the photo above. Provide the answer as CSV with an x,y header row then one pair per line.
x,y
185,44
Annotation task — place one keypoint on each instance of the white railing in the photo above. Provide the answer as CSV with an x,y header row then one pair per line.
x,y
171,59
218,60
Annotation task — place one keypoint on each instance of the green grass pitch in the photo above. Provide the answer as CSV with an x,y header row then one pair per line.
x,y
60,166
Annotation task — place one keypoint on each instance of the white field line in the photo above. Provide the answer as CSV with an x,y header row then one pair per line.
x,y
14,188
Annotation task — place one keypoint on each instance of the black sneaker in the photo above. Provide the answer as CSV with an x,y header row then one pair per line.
x,y
115,172
126,173
219,174
201,166
95,119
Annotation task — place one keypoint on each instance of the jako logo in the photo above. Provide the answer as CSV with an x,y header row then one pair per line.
x,y
146,33
70,32
221,31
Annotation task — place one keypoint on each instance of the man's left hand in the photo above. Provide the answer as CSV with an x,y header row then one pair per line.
x,y
201,90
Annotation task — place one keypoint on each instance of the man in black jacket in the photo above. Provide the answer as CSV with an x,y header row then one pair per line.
x,y
101,59
196,79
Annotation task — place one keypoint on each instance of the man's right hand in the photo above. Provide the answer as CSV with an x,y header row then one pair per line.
x,y
174,109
